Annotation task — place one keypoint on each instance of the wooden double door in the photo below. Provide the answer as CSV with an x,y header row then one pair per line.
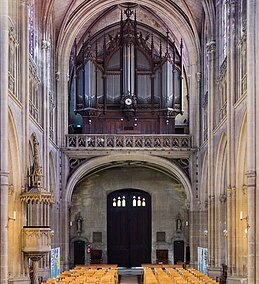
x,y
129,228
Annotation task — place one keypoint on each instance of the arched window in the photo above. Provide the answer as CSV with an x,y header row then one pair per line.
x,y
31,27
243,15
224,31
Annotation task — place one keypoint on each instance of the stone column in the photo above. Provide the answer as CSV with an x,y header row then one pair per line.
x,y
231,163
252,135
65,235
62,105
4,44
211,47
35,268
23,70
45,46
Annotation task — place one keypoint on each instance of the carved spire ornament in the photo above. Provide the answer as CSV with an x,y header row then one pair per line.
x,y
36,193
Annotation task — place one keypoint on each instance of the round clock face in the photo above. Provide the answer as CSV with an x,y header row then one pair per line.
x,y
128,101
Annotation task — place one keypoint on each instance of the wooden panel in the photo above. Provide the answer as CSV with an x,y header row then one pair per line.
x,y
95,256
162,256
129,230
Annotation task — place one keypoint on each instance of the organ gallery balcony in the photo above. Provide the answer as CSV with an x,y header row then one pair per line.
x,y
106,141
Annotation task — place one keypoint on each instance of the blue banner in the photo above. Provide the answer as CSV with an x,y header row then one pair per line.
x,y
203,260
55,263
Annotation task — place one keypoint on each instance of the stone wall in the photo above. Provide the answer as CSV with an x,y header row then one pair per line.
x,y
168,202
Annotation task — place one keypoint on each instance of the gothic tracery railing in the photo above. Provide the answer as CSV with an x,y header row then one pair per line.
x,y
128,141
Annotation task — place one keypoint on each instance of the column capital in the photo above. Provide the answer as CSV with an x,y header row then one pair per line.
x,y
198,74
45,44
211,46
222,198
57,76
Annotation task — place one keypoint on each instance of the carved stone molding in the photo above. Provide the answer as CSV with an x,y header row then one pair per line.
x,y
36,241
45,44
12,36
222,198
199,75
57,76
188,204
74,163
183,163
211,200
36,173
211,46
128,141
10,189
251,178
250,173
244,189
37,197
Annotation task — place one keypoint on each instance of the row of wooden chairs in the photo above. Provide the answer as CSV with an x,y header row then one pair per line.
x,y
170,274
94,274
200,275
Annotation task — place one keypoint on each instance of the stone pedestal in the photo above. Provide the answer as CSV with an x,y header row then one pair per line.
x,y
236,280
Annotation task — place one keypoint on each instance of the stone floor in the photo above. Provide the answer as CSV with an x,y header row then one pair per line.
x,y
130,275
129,279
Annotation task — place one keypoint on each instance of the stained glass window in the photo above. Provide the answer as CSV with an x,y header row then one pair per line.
x,y
224,30
31,13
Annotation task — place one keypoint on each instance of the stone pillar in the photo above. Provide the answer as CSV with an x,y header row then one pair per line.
x,y
231,164
65,235
35,268
211,47
4,44
45,45
252,134
223,232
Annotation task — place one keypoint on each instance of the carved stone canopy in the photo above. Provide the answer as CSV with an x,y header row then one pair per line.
x,y
37,197
36,193
36,174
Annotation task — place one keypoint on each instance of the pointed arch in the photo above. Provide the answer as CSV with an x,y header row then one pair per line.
x,y
159,164
52,173
241,153
221,163
15,208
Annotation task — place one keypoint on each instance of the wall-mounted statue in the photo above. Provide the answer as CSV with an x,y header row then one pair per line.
x,y
79,223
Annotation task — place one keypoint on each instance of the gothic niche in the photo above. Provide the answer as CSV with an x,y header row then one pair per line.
x,y
126,79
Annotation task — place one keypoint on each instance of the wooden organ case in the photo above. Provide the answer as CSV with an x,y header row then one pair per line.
x,y
123,82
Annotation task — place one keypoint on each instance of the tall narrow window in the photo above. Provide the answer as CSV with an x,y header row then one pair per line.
x,y
224,30
243,15
31,25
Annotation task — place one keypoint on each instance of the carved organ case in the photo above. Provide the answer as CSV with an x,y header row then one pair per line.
x,y
124,81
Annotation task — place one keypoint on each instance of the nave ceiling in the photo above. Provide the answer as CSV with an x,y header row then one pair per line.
x,y
79,19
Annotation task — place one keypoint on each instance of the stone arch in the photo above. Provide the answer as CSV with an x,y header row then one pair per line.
x,y
156,163
241,197
241,153
89,12
221,160
52,173
220,185
210,14
15,208
72,27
